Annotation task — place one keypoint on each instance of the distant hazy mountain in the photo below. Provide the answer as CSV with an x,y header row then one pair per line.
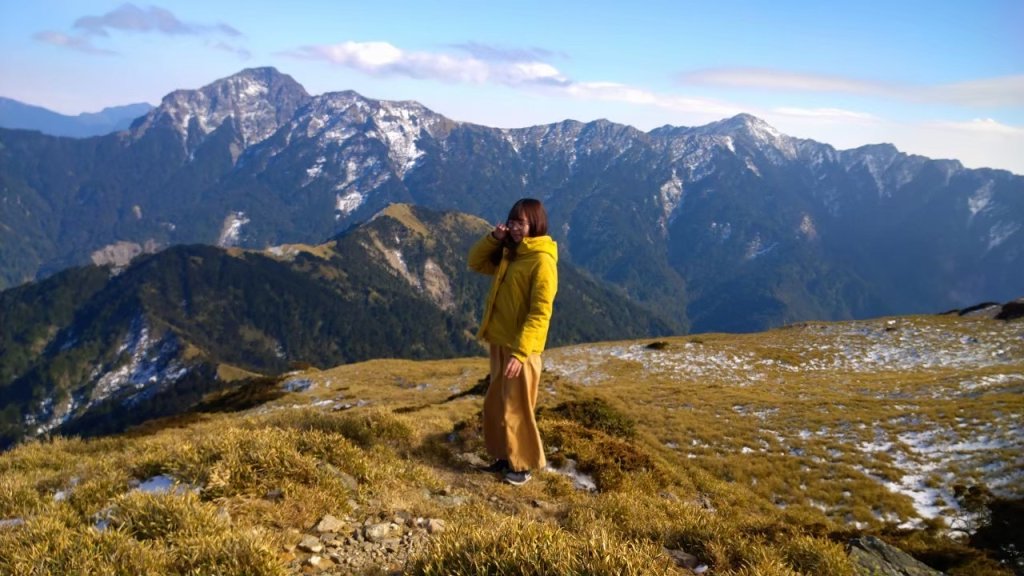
x,y
21,116
730,226
85,351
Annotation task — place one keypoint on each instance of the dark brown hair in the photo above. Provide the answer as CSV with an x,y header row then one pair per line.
x,y
531,210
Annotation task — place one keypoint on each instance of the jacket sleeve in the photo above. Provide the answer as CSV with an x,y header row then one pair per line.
x,y
534,335
480,255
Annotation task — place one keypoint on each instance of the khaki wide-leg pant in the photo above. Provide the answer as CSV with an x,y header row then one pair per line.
x,y
510,428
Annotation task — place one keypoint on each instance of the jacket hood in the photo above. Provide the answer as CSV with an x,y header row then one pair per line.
x,y
538,245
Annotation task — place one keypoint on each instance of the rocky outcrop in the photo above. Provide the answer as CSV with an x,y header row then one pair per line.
x,y
876,558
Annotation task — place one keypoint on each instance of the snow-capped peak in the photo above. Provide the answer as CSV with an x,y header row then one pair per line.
x,y
259,100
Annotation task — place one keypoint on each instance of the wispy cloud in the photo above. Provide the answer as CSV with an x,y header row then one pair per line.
x,y
385,59
77,43
615,92
518,68
768,79
995,92
131,18
1005,91
231,49
981,125
491,53
826,113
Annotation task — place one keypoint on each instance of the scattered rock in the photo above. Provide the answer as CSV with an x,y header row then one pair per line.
x,y
682,559
314,560
329,524
876,558
311,544
275,495
377,532
471,460
435,526
1012,310
346,479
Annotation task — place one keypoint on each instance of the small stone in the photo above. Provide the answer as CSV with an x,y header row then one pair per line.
x,y
288,547
377,532
311,544
275,495
682,558
329,524
435,526
314,560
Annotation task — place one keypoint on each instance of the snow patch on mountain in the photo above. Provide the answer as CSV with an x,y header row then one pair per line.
x,y
749,162
807,229
143,365
230,231
981,198
756,248
1000,232
670,196
314,171
345,205
399,128
722,231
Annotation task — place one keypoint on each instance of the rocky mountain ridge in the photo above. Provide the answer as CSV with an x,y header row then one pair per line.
x,y
87,351
729,226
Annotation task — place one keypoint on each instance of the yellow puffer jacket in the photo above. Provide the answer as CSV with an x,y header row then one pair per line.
x,y
518,310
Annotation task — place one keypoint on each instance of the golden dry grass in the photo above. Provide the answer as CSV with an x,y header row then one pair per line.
x,y
758,454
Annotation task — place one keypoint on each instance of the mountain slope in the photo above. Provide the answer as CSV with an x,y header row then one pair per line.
x,y
84,352
21,116
786,452
730,226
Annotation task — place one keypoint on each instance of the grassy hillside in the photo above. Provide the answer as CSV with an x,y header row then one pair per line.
x,y
728,454
85,352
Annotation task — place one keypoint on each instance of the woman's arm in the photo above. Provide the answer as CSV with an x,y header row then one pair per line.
x,y
480,255
534,333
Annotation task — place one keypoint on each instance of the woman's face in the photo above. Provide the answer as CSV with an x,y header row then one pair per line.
x,y
518,228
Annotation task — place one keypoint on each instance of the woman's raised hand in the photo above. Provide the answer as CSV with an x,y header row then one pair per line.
x,y
499,232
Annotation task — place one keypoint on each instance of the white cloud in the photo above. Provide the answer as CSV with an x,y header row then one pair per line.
x,y
385,59
1001,91
611,91
981,125
71,42
996,92
826,113
780,80
129,17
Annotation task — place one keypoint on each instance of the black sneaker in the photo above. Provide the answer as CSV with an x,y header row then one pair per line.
x,y
499,466
518,478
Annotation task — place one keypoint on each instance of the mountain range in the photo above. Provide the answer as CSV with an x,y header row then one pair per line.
x,y
729,226
85,351
18,115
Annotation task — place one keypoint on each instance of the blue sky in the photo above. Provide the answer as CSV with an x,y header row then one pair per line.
x,y
944,79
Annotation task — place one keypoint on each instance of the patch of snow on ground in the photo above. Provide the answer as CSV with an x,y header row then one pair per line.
x,y
580,480
930,458
164,484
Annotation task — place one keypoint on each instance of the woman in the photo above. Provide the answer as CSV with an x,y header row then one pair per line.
x,y
523,260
